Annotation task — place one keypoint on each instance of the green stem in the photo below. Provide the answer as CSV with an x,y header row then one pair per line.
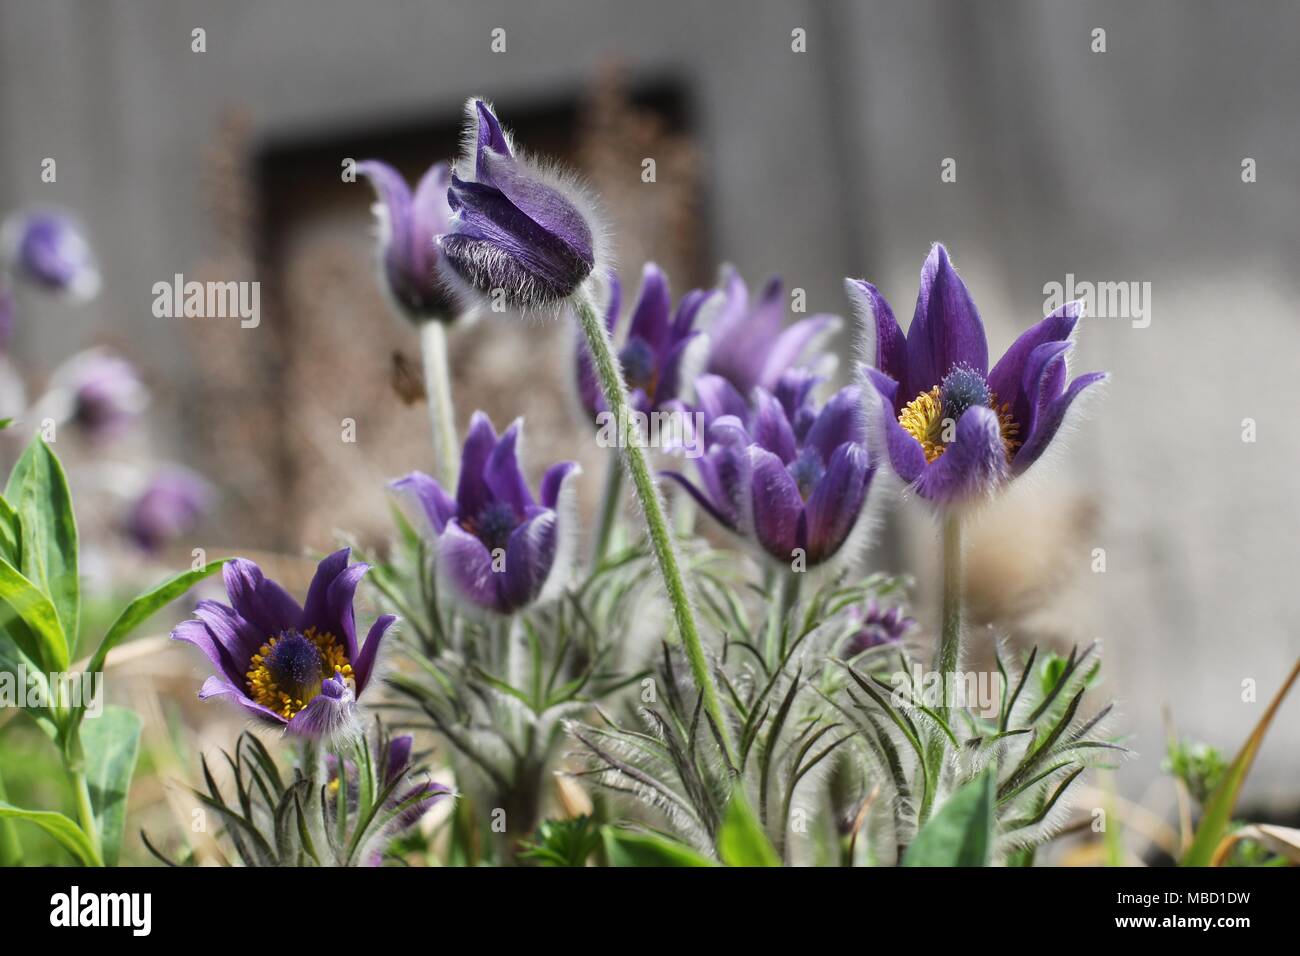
x,y
609,508
442,413
86,811
950,635
11,850
615,391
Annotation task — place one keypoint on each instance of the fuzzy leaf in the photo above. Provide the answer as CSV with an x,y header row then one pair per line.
x,y
961,833
111,742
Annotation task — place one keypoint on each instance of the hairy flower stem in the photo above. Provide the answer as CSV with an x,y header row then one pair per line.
x,y
615,392
442,413
950,634
609,508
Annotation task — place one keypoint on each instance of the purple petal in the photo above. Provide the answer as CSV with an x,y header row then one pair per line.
x,y
471,489
530,558
1007,375
398,757
330,714
1050,420
220,687
419,800
946,329
1043,369
841,420
427,504
883,344
228,658
771,428
836,502
906,456
315,611
973,464
502,472
467,564
724,515
553,482
339,618
777,505
791,345
258,599
651,314
543,204
718,397
487,134
364,663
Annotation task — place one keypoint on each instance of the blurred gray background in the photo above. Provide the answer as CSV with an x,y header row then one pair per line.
x,y
1122,166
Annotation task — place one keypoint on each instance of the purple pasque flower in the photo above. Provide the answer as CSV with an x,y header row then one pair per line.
x,y
877,627
172,504
98,392
750,342
298,667
409,224
500,548
779,469
516,229
953,429
661,353
48,250
414,800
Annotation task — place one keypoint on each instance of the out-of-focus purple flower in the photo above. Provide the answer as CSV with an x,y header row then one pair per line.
x,y
409,226
515,227
953,429
297,667
876,627
663,350
500,548
414,801
791,476
750,342
99,392
6,315
172,504
48,250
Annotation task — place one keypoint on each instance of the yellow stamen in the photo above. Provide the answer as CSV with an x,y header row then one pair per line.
x,y
264,690
923,419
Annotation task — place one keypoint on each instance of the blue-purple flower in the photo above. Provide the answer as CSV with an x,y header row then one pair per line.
x,y
750,342
793,477
172,504
409,226
952,428
662,352
877,627
299,667
48,250
516,228
98,392
500,548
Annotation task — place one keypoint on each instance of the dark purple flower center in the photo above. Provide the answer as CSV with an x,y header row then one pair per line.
x,y
295,664
494,525
963,388
807,470
638,361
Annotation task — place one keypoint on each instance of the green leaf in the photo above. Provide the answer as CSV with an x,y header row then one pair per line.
x,y
11,534
1218,810
630,848
961,833
144,606
741,840
43,638
111,743
38,490
67,833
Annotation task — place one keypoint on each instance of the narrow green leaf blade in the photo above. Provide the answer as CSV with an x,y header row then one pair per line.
x,y
961,833
144,606
629,848
111,743
49,646
58,826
